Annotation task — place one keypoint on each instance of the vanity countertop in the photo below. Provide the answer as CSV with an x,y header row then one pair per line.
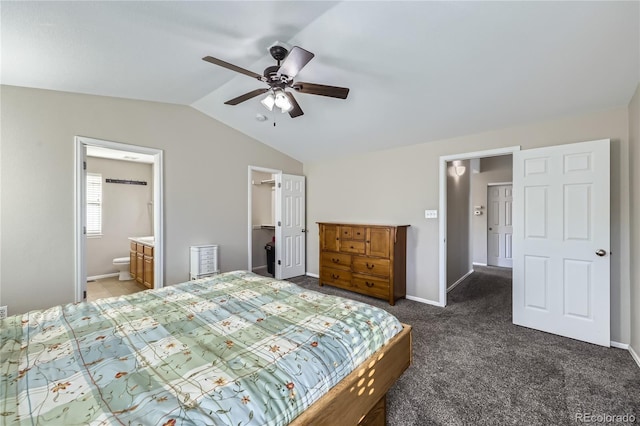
x,y
147,241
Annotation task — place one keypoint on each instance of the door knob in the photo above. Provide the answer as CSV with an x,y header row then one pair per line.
x,y
601,253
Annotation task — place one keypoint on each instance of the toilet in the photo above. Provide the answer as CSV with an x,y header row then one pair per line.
x,y
122,263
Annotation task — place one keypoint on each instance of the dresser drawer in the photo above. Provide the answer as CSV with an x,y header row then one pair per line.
x,y
352,232
336,260
371,265
336,277
357,233
378,287
352,246
148,251
206,256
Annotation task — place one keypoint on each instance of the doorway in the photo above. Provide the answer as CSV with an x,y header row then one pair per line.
x,y
152,206
262,225
469,211
561,266
276,219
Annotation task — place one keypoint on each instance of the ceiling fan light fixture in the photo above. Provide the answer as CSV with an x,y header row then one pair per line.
x,y
268,102
279,77
282,102
281,99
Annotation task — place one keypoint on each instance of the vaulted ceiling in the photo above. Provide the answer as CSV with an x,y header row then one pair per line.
x,y
418,71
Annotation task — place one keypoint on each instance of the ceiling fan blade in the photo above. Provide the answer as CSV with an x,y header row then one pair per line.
x,y
231,67
321,89
246,96
295,61
296,111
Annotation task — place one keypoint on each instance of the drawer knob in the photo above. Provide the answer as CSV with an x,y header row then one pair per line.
x,y
370,266
368,284
335,260
334,276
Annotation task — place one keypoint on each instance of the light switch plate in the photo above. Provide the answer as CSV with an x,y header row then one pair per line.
x,y
431,214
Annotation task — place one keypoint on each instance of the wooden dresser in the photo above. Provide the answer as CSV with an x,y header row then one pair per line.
x,y
368,259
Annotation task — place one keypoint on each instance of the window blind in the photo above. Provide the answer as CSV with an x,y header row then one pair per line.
x,y
94,204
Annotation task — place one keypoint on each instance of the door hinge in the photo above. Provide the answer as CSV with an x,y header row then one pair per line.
x,y
279,185
279,223
84,230
84,295
84,165
279,263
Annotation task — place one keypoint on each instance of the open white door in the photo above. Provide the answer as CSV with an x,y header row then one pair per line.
x,y
561,240
81,221
499,225
290,226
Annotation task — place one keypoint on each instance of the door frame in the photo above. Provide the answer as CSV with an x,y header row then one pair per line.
x,y
252,169
442,300
80,142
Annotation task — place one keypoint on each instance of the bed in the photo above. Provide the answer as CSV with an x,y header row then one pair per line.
x,y
235,349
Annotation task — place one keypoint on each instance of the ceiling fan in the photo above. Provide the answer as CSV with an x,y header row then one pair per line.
x,y
279,77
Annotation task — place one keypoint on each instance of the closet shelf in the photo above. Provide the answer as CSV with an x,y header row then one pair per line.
x,y
272,227
264,182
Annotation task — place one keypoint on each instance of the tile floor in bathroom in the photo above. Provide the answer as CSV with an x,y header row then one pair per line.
x,y
109,287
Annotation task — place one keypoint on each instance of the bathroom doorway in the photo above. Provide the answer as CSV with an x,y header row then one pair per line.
x,y
118,209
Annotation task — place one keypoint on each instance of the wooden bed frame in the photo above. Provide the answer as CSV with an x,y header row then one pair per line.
x,y
360,398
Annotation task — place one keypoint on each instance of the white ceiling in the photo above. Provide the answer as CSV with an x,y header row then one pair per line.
x,y
418,71
114,154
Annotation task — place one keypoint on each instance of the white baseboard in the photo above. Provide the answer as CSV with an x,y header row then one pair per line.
x,y
459,281
619,345
427,301
311,274
99,277
479,264
259,268
634,355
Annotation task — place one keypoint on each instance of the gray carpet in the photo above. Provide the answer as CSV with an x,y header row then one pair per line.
x,y
472,366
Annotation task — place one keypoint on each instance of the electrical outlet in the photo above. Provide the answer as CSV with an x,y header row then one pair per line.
x,y
3,312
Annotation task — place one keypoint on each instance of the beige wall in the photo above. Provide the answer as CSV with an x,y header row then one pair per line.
x,y
458,221
396,186
634,160
205,185
492,170
126,212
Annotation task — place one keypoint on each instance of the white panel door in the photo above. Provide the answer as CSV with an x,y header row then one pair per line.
x,y
82,247
500,225
290,226
561,240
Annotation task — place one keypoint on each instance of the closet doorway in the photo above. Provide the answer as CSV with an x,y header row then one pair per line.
x,y
277,230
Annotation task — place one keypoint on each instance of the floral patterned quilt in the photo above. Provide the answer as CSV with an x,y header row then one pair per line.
x,y
235,349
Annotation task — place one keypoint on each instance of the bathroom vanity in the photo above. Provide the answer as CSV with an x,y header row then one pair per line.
x,y
141,259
